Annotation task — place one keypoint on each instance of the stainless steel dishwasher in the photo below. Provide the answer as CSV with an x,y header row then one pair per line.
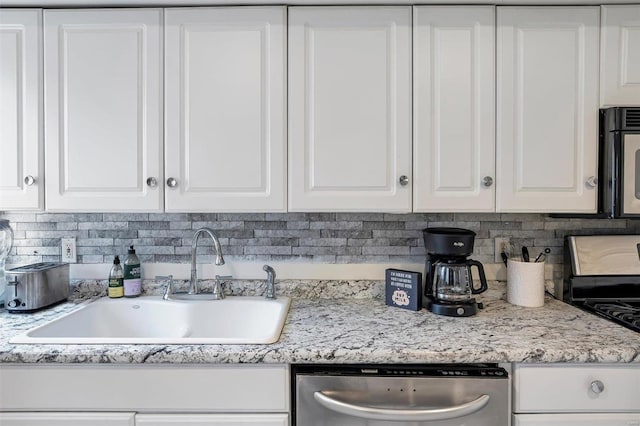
x,y
376,395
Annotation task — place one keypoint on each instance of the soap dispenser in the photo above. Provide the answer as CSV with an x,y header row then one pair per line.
x,y
132,274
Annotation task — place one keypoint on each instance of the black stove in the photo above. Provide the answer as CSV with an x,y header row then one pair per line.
x,y
624,313
602,276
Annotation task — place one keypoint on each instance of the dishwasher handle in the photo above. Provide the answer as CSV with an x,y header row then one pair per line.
x,y
328,400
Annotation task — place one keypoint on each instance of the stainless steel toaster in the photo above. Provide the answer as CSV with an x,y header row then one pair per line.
x,y
36,286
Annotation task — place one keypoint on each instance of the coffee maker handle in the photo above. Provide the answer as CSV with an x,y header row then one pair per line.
x,y
483,279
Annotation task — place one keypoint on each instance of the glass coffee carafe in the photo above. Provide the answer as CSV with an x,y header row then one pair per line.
x,y
453,280
6,242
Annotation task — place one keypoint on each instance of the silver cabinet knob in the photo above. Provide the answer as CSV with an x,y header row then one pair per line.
x,y
404,180
592,182
152,182
29,180
597,386
172,182
487,181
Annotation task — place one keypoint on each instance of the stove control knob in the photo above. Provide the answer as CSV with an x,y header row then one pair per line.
x,y
597,387
14,303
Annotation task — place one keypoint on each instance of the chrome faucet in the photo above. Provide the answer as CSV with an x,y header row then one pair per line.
x,y
193,284
218,293
168,290
270,292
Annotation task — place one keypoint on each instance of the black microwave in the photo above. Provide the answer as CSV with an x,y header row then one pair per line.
x,y
619,162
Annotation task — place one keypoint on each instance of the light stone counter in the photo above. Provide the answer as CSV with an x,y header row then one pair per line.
x,y
360,328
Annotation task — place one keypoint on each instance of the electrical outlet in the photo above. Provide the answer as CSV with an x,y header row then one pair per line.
x,y
501,244
68,250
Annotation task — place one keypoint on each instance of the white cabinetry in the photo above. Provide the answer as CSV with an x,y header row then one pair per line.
x,y
21,160
144,388
67,419
547,109
221,395
212,419
225,143
620,63
350,109
576,419
562,394
103,109
454,108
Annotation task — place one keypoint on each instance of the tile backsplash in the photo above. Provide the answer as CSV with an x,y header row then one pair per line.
x,y
295,237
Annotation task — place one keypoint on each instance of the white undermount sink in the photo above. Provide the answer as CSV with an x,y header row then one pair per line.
x,y
151,320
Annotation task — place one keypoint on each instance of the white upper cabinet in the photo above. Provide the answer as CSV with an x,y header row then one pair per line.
x,y
454,108
21,160
350,109
225,83
103,109
547,109
620,62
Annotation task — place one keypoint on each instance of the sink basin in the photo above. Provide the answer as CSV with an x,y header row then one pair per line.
x,y
151,320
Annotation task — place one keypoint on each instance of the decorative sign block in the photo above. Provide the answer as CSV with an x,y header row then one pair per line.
x,y
404,289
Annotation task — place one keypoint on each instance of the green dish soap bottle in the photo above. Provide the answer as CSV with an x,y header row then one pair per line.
x,y
132,275
116,285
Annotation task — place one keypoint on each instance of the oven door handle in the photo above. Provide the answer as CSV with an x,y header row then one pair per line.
x,y
328,400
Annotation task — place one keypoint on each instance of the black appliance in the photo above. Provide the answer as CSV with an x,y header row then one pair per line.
x,y
602,276
448,283
618,182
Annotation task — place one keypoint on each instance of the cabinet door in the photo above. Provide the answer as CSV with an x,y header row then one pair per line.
x,y
592,419
349,108
547,112
103,109
67,419
225,109
620,62
21,171
454,108
556,388
212,419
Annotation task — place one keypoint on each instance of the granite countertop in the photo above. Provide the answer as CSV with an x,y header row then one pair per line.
x,y
359,329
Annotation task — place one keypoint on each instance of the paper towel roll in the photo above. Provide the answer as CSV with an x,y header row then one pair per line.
x,y
525,283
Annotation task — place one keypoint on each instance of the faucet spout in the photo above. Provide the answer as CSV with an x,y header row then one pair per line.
x,y
193,284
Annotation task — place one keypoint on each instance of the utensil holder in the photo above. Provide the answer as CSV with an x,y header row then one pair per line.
x,y
525,283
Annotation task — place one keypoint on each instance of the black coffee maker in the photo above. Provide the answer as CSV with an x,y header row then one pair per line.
x,y
449,286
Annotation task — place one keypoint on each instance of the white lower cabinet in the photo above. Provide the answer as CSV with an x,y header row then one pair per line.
x,y
576,419
122,395
576,394
131,419
67,419
212,419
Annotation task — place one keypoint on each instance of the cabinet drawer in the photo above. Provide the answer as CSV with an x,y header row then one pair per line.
x,y
67,419
576,419
573,388
145,388
212,419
